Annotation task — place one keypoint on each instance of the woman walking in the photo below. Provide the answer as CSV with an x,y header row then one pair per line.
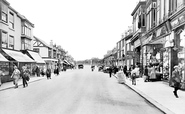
x,y
15,75
176,79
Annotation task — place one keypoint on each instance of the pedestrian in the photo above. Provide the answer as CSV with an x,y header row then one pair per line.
x,y
146,77
55,71
37,71
25,76
134,74
110,71
125,71
15,75
120,76
48,72
176,79
1,75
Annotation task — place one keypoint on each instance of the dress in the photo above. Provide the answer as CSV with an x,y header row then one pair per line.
x,y
121,77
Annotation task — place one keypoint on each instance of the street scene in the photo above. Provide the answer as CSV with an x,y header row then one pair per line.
x,y
79,91
92,57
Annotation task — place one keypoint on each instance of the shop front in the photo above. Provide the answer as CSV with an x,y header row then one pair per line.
x,y
51,63
4,67
178,50
17,58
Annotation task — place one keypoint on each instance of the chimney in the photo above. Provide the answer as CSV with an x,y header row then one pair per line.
x,y
51,43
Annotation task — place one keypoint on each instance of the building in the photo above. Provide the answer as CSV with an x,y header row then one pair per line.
x,y
139,28
16,33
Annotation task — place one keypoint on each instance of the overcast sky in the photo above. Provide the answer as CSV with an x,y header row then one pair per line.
x,y
85,28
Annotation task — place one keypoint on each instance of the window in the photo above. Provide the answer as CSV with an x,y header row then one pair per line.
x,y
26,30
11,42
49,54
4,13
36,50
25,44
11,20
143,20
179,4
4,40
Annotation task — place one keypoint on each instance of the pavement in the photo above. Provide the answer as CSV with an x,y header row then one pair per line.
x,y
10,85
160,94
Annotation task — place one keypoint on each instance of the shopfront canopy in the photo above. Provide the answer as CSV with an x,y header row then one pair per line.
x,y
36,57
18,56
2,58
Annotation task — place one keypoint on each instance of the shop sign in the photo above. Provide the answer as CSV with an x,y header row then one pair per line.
x,y
178,21
132,53
147,40
137,43
161,31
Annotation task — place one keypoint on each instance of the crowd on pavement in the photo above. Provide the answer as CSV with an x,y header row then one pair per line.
x,y
153,91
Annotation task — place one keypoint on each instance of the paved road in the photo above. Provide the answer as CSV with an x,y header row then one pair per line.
x,y
75,92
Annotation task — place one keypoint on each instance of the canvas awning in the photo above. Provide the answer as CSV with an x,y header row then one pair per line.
x,y
18,56
36,57
2,58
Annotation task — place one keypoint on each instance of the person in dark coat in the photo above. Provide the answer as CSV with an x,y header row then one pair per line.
x,y
125,71
110,71
48,73
176,79
25,76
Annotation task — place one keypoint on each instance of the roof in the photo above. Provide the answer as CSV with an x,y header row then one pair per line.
x,y
139,4
47,45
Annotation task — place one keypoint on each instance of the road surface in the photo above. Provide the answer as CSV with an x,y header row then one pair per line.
x,y
79,91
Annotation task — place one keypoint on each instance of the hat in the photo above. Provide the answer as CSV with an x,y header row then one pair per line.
x,y
175,66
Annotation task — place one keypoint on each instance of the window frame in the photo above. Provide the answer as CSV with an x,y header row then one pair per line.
x,y
4,44
11,21
11,45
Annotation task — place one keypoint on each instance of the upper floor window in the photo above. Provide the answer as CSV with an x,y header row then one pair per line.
x,y
11,20
25,44
26,30
11,42
4,39
4,13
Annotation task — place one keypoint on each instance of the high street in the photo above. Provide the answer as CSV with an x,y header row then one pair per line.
x,y
79,91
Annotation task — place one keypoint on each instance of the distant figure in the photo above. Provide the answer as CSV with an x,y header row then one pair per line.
x,y
176,79
1,75
15,75
110,71
134,75
48,73
125,71
146,77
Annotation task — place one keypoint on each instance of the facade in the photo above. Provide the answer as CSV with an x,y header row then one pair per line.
x,y
16,33
139,28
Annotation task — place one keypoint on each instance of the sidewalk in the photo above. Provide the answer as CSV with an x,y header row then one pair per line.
x,y
161,95
9,85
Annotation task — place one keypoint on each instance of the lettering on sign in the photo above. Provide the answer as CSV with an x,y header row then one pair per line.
x,y
174,23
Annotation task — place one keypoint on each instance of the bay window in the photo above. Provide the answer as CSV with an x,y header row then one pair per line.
x,y
25,44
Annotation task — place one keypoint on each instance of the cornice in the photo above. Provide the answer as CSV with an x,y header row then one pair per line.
x,y
137,6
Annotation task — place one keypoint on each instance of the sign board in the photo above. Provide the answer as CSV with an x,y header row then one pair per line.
x,y
132,53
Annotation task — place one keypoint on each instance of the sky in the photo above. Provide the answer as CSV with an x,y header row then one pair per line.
x,y
84,28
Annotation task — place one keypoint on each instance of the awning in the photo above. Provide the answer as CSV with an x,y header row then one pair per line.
x,y
18,56
36,57
159,41
67,62
49,59
2,58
